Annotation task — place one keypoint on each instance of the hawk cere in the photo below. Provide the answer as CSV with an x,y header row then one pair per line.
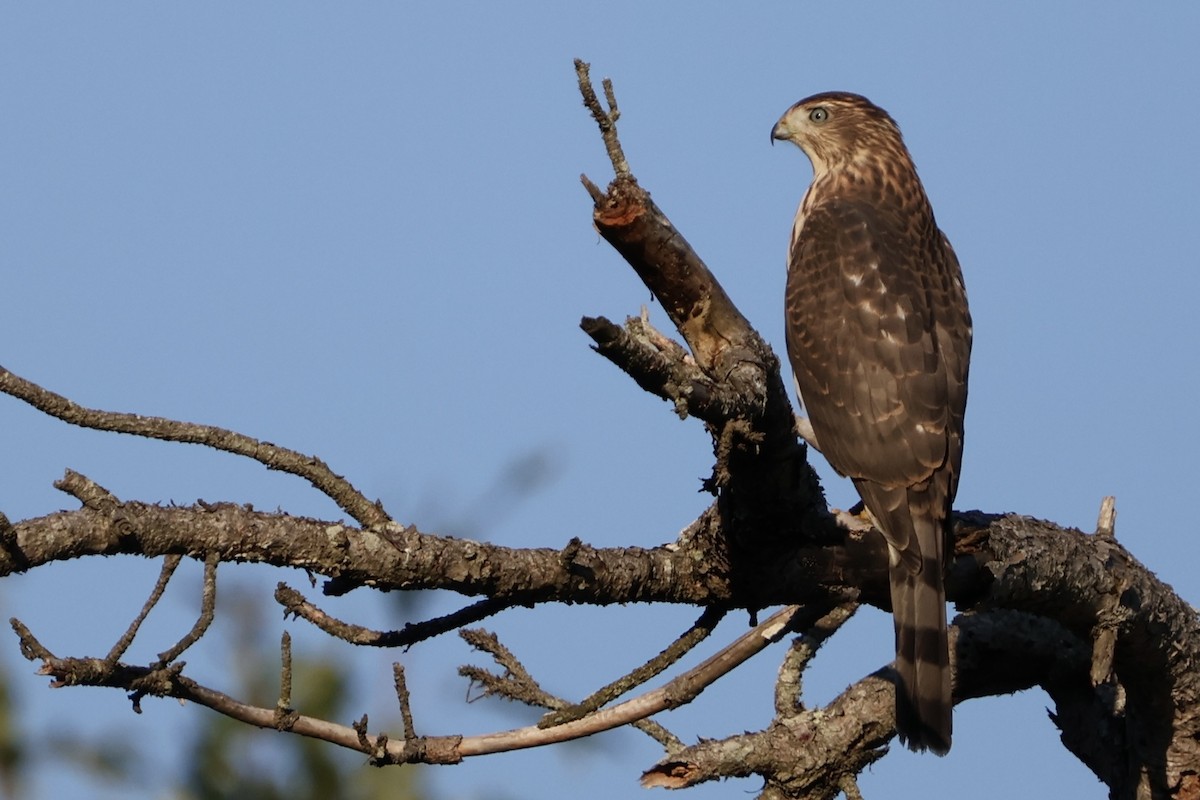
x,y
879,339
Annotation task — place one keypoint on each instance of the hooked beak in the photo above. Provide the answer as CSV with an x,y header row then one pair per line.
x,y
780,131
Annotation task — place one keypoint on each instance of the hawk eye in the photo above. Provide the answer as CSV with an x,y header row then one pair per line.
x,y
819,114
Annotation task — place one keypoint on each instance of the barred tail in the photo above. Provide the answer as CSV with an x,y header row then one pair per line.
x,y
912,520
923,699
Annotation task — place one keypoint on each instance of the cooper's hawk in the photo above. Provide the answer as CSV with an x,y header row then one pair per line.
x,y
879,337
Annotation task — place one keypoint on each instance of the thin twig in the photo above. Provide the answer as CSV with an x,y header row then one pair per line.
x,y
515,684
406,716
518,685
678,691
789,686
606,120
208,605
285,715
675,693
294,603
285,672
311,468
697,633
669,741
30,647
170,564
595,191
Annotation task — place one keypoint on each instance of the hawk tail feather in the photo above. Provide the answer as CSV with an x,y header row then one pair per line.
x,y
923,694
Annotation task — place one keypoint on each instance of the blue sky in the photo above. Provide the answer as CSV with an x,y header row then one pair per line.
x,y
358,231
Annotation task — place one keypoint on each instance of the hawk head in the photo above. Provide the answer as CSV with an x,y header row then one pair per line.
x,y
840,129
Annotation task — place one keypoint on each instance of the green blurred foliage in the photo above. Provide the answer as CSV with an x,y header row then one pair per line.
x,y
234,760
225,758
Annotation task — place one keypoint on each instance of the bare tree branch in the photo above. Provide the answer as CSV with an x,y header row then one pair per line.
x,y
790,685
668,373
679,691
285,715
606,120
699,631
852,731
86,491
311,468
208,607
170,564
576,573
294,603
406,717
169,682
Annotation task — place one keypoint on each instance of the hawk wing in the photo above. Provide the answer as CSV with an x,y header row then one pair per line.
x,y
954,331
879,337
863,338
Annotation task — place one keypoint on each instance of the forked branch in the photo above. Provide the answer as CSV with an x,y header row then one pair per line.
x,y
311,468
